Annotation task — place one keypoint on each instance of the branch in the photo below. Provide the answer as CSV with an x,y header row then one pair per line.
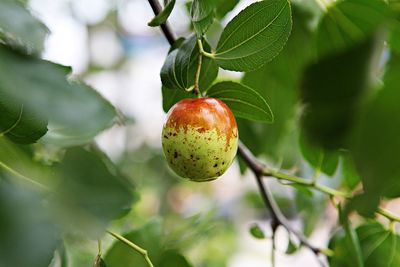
x,y
166,29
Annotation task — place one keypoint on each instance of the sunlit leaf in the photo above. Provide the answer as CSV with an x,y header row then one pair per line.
x,y
244,101
255,36
163,15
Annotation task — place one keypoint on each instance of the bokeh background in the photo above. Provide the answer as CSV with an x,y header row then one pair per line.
x,y
109,46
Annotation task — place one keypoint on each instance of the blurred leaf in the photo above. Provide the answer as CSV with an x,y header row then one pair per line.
x,y
172,96
255,36
350,176
202,15
349,23
76,112
376,142
224,6
379,247
90,193
324,160
163,15
292,247
347,248
180,66
332,90
278,82
394,36
17,160
60,258
18,27
244,101
310,209
18,123
28,237
256,231
149,237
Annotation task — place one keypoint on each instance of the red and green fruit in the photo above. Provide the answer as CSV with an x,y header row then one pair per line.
x,y
200,138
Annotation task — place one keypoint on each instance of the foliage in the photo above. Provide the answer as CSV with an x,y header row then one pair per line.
x,y
320,94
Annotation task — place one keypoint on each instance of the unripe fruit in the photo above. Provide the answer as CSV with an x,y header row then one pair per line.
x,y
200,138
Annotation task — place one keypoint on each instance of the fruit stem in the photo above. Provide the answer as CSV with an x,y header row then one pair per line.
x,y
134,246
198,72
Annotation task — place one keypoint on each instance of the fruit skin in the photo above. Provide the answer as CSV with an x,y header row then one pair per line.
x,y
200,138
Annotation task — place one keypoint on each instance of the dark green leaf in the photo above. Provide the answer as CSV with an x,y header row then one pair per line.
x,y
18,123
255,36
224,6
163,15
18,27
349,23
171,258
292,247
256,231
202,15
332,90
180,66
28,237
172,96
324,160
76,112
244,101
376,141
90,193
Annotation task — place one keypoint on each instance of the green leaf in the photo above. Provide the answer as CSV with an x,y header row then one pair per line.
x,y
331,92
224,6
255,36
75,111
19,28
376,140
18,123
244,101
350,176
202,15
163,15
180,66
278,82
149,237
172,96
380,247
324,160
347,249
28,236
349,23
292,247
256,231
90,192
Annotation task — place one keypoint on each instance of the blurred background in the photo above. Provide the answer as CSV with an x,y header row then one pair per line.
x,y
109,46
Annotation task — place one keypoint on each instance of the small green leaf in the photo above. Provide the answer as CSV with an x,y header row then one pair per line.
x,y
244,101
256,231
255,36
180,66
18,123
163,15
76,112
202,15
350,176
292,247
18,27
224,6
349,23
